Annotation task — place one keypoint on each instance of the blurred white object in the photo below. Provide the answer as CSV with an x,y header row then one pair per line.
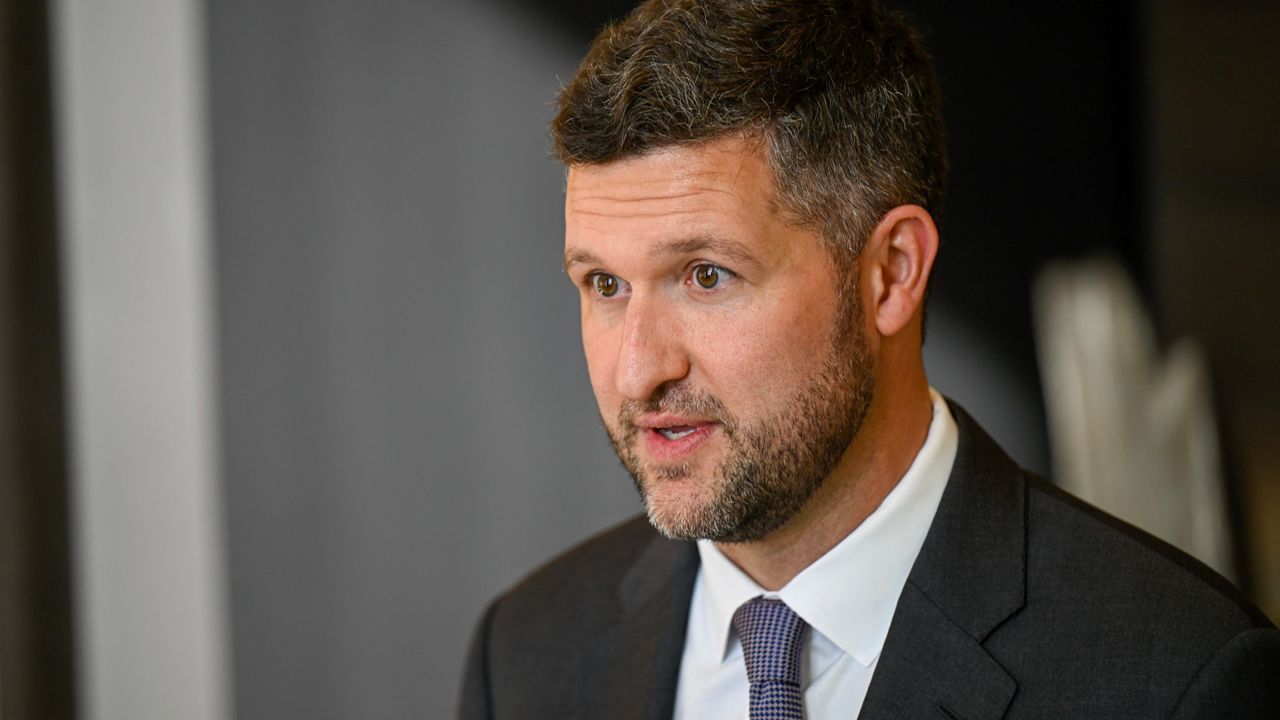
x,y
150,584
1131,429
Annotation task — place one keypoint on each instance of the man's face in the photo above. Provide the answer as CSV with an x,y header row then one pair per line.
x,y
730,370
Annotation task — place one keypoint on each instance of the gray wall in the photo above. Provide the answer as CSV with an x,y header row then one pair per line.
x,y
407,422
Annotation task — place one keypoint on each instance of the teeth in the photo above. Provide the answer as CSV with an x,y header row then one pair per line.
x,y
674,434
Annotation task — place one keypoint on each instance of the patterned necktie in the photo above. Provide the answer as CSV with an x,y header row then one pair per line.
x,y
771,637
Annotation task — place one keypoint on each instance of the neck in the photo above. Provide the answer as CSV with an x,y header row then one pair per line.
x,y
883,449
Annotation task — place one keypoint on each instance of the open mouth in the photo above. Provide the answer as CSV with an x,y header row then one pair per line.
x,y
674,438
677,432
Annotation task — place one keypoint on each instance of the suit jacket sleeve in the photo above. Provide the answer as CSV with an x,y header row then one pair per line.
x,y
475,701
1242,680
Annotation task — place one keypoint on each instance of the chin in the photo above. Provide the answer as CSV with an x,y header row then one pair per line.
x,y
680,508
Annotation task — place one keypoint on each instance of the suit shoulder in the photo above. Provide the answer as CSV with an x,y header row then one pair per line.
x,y
1095,561
586,574
537,639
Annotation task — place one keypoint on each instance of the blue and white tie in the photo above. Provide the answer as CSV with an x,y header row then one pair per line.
x,y
772,636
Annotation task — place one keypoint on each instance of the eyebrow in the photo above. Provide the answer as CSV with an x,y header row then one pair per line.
x,y
579,257
729,248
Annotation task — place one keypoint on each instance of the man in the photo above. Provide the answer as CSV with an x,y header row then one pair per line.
x,y
749,220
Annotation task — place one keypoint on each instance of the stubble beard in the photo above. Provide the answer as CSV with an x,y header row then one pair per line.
x,y
773,465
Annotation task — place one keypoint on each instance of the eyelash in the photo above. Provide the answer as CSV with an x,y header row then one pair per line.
x,y
725,275
590,280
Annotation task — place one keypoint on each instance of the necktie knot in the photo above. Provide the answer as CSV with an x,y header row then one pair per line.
x,y
771,635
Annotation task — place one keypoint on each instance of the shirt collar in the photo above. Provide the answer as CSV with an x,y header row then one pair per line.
x,y
850,593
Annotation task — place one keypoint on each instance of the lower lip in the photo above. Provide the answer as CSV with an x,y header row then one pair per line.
x,y
664,449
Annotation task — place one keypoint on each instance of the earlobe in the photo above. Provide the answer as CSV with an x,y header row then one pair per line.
x,y
903,247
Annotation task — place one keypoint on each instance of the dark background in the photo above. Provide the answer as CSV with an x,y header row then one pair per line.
x,y
405,422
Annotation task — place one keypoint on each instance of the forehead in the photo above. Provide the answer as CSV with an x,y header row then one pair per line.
x,y
721,181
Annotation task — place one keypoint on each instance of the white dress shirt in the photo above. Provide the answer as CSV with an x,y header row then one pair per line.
x,y
847,597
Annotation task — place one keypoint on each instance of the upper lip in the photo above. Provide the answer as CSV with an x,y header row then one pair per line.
x,y
654,422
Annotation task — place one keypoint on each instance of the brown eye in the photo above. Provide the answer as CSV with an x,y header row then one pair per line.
x,y
707,276
606,285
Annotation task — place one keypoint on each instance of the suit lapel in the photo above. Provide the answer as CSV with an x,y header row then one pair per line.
x,y
653,610
970,576
931,668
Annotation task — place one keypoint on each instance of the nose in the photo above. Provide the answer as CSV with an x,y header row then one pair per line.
x,y
652,352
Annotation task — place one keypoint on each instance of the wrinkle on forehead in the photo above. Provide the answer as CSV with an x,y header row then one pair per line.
x,y
671,181
589,188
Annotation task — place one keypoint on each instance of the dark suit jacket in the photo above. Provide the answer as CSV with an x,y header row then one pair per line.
x,y
1023,603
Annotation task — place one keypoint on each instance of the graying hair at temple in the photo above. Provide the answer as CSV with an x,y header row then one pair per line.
x,y
841,93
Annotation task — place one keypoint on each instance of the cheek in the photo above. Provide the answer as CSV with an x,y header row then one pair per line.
x,y
600,351
760,358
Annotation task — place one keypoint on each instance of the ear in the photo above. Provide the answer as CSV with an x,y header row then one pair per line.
x,y
897,260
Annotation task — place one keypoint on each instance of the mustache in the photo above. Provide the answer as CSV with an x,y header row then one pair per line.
x,y
676,400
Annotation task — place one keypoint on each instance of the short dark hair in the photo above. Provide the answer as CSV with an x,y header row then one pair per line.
x,y
842,94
